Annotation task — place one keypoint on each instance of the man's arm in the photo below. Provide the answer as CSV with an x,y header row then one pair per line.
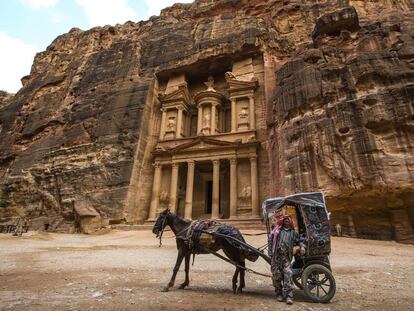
x,y
300,242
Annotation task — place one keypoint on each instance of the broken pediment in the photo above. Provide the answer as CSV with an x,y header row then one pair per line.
x,y
181,95
176,82
236,85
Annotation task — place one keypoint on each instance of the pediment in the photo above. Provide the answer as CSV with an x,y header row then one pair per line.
x,y
179,95
235,85
203,142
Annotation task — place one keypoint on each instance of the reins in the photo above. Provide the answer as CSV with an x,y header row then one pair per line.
x,y
162,230
254,234
176,235
215,253
236,264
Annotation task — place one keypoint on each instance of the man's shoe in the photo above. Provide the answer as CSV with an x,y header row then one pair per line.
x,y
289,301
279,298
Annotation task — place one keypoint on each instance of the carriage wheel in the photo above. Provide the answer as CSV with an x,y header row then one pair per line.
x,y
297,279
318,283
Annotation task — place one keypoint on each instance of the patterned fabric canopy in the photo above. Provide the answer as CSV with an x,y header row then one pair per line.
x,y
308,199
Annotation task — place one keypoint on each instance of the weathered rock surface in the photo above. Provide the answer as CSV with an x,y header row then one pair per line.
x,y
339,89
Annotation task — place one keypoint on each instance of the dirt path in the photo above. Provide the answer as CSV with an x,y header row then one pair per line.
x,y
125,270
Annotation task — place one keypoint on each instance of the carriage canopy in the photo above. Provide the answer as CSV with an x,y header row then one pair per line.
x,y
312,217
305,200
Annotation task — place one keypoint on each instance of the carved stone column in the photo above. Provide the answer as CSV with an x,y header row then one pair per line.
x,y
251,114
179,122
233,115
254,185
213,119
188,211
173,187
199,119
216,189
155,191
233,187
163,120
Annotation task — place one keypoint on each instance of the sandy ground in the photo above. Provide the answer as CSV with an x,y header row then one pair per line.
x,y
125,270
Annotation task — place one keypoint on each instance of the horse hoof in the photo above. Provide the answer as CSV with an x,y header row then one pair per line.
x,y
182,286
240,291
165,289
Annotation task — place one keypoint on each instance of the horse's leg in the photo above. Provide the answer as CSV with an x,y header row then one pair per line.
x,y
233,255
187,270
242,273
234,280
180,257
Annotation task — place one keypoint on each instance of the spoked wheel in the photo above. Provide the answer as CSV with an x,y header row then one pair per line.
x,y
297,279
318,283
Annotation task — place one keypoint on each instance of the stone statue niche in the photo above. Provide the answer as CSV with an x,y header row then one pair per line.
x,y
245,202
206,121
171,127
243,116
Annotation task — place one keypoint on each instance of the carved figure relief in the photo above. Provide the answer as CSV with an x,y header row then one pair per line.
x,y
206,124
164,197
207,118
246,192
245,196
243,123
244,114
171,124
210,84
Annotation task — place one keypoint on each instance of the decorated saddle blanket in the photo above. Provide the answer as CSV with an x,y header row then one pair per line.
x,y
202,231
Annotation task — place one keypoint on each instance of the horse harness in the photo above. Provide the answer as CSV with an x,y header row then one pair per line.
x,y
189,239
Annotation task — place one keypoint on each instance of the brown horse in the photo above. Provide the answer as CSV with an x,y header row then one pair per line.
x,y
180,227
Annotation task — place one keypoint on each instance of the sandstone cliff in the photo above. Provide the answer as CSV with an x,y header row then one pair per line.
x,y
339,91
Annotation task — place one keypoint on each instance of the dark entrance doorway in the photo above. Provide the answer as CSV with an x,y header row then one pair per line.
x,y
209,196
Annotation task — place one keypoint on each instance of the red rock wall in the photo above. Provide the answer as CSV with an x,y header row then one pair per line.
x,y
339,91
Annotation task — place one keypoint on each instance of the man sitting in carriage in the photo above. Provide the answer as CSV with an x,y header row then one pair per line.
x,y
284,241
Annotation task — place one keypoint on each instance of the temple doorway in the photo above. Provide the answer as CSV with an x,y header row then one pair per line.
x,y
203,190
209,196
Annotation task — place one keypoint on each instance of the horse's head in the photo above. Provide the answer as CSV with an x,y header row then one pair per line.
x,y
161,222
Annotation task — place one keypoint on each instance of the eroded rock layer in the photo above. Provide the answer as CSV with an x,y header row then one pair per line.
x,y
339,88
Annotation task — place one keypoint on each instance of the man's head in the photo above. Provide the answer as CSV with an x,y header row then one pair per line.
x,y
287,222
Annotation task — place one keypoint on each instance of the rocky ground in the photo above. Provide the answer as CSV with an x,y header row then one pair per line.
x,y
125,270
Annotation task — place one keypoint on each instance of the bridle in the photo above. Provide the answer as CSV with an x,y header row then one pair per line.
x,y
161,231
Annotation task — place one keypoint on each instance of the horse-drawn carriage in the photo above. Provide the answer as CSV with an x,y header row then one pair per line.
x,y
311,272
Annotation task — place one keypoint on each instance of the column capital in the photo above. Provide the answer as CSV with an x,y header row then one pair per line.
x,y
157,164
253,158
180,108
216,161
162,109
175,164
191,163
233,160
